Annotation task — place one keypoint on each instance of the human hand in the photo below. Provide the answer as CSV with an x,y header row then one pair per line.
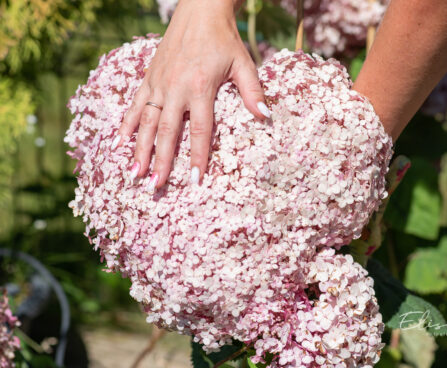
x,y
201,50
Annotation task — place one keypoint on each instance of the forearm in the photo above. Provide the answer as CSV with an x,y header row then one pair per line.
x,y
406,61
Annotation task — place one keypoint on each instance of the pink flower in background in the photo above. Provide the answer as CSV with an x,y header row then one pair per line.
x,y
332,27
335,27
8,342
166,9
245,255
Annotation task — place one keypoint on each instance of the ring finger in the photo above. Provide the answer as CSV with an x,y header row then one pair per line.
x,y
146,134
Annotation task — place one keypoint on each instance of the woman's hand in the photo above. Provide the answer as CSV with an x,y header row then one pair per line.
x,y
201,50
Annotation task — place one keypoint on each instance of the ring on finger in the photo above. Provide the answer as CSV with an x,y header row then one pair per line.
x,y
149,103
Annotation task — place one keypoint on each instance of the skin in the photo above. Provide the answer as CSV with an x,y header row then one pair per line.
x,y
202,49
406,61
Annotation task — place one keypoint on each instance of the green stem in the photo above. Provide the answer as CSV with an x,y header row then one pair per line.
x,y
29,341
392,258
251,8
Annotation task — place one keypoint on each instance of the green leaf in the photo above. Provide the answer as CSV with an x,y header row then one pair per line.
x,y
197,357
409,142
418,347
201,360
427,270
356,65
416,310
415,206
42,361
399,308
389,358
443,189
251,364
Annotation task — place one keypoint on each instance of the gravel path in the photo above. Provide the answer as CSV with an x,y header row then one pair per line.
x,y
118,349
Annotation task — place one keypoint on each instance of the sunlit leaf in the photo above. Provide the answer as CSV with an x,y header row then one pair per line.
x,y
415,206
427,270
399,307
417,347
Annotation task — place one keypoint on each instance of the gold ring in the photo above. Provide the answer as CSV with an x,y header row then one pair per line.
x,y
154,105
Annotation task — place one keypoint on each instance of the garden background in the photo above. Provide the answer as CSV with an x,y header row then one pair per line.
x,y
47,48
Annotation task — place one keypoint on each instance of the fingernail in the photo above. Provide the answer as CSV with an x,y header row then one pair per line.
x,y
153,182
195,175
115,142
264,109
134,170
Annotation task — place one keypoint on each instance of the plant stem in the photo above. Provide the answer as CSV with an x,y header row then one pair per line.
x,y
300,25
232,356
251,8
371,35
155,337
392,258
29,341
395,337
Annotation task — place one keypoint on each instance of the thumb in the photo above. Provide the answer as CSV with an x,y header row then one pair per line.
x,y
245,76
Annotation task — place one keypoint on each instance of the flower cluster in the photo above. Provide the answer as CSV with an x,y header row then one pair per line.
x,y
166,9
8,342
336,27
247,254
333,27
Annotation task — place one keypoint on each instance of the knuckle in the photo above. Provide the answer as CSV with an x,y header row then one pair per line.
x,y
199,129
147,119
165,129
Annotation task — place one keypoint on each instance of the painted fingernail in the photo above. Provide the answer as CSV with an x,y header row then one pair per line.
x,y
134,170
153,182
195,175
264,110
115,142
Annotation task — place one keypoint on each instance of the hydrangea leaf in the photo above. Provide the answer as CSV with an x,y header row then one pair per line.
x,y
251,364
357,64
201,360
399,307
417,347
416,310
389,358
443,189
427,270
197,358
415,206
433,132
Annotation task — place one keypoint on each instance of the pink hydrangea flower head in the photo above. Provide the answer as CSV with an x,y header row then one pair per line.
x,y
247,254
8,342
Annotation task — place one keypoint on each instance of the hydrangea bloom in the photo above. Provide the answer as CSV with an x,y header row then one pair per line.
x,y
332,27
245,255
166,9
8,342
338,26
